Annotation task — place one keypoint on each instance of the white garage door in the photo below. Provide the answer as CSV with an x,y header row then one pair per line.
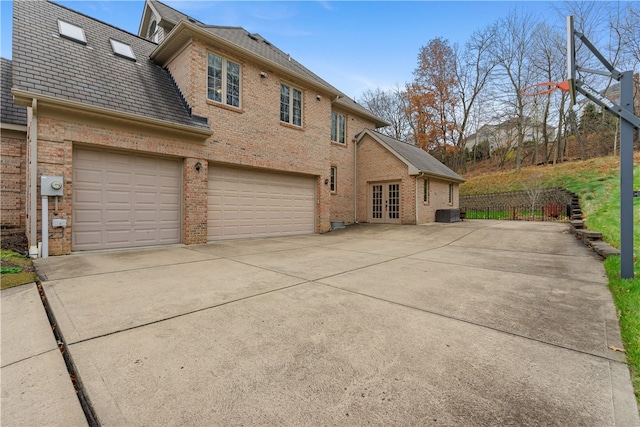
x,y
247,203
123,200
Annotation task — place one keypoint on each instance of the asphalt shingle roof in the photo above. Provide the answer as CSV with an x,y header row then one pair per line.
x,y
10,113
419,158
45,63
170,14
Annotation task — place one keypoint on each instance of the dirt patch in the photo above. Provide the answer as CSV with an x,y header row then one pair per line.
x,y
14,241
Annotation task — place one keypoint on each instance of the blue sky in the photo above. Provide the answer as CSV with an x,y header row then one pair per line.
x,y
354,45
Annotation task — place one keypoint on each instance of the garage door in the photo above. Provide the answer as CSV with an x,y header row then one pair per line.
x,y
246,203
121,200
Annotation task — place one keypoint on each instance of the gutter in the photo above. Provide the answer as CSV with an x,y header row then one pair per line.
x,y
25,98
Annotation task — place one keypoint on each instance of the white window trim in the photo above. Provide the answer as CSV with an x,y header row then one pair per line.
x,y
338,129
333,180
291,89
224,81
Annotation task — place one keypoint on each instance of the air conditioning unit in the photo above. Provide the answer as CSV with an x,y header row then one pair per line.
x,y
448,215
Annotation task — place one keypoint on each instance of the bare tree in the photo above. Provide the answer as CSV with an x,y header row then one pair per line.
x,y
512,53
549,62
389,105
473,70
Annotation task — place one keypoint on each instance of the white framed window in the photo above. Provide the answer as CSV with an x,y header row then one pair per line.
x,y
223,81
71,32
333,179
290,105
153,32
450,193
425,191
338,125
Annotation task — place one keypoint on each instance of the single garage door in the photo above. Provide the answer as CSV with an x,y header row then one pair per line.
x,y
248,203
122,200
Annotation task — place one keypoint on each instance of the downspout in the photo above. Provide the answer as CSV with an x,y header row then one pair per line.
x,y
33,184
355,181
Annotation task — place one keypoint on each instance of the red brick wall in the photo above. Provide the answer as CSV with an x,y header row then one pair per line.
x,y
377,164
342,157
13,152
438,199
249,136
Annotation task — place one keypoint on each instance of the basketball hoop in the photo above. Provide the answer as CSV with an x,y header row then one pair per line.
x,y
544,88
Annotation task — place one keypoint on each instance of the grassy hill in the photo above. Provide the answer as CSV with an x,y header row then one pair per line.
x,y
597,182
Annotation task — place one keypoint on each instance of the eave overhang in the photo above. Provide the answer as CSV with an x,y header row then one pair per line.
x,y
184,32
46,103
412,169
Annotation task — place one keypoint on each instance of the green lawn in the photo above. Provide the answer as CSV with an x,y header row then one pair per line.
x,y
597,183
16,270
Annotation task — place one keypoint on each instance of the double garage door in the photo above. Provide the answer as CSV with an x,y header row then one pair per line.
x,y
246,203
123,200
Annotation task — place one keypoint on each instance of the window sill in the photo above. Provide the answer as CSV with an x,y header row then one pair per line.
x,y
225,106
339,144
290,126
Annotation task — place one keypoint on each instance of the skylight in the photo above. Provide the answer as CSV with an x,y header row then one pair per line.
x,y
71,32
122,49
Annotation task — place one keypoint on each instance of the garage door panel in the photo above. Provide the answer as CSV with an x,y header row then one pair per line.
x,y
124,200
247,203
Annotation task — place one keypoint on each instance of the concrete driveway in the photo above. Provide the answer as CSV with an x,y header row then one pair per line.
x,y
474,323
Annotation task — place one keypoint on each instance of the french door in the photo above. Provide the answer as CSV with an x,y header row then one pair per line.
x,y
385,202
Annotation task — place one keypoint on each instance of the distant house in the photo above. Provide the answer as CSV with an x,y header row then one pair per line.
x,y
505,135
189,133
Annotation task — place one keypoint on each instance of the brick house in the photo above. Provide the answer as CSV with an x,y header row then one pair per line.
x,y
189,133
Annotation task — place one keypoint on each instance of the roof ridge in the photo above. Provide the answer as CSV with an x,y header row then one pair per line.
x,y
176,10
98,20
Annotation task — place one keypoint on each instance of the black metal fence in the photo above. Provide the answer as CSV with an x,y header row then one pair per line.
x,y
552,204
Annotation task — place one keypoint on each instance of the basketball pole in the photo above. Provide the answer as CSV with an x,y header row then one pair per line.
x,y
628,121
626,178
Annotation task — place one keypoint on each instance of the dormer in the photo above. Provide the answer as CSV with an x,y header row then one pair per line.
x,y
158,20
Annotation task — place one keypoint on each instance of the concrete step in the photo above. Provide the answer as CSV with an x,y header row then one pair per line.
x,y
604,249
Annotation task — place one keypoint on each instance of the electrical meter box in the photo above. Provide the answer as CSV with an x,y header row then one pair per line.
x,y
51,185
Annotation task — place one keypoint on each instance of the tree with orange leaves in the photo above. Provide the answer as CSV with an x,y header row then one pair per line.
x,y
432,98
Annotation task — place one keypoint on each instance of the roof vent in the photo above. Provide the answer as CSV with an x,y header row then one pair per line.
x,y
266,42
122,49
71,32
252,37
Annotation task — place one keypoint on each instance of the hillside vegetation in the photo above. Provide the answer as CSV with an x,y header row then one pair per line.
x,y
597,183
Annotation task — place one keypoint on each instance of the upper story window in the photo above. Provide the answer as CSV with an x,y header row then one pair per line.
x,y
290,105
223,83
71,32
338,127
153,32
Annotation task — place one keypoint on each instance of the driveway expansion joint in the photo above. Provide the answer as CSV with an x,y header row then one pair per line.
x,y
459,319
74,377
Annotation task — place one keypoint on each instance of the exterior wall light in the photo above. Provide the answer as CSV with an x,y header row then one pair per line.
x,y
263,74
198,166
